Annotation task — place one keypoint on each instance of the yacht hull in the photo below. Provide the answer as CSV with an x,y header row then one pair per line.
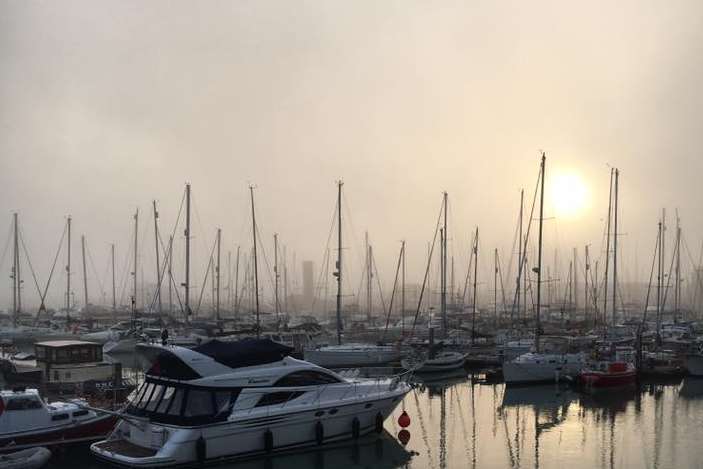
x,y
245,437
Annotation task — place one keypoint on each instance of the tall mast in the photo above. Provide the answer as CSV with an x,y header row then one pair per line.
x,y
539,255
68,272
170,275
229,280
473,307
114,290
443,276
236,284
495,287
158,261
615,247
285,280
186,284
659,278
338,273
574,280
586,269
16,282
256,268
275,278
520,261
136,252
677,288
369,285
217,274
402,293
607,255
85,276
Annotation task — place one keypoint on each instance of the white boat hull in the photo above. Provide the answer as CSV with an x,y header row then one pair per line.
x,y
245,437
535,368
332,358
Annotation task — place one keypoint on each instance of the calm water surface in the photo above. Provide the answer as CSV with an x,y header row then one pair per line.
x,y
460,423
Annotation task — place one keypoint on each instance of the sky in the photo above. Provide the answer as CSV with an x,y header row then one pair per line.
x,y
106,106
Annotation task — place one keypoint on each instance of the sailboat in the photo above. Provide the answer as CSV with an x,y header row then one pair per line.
x,y
446,360
350,354
537,366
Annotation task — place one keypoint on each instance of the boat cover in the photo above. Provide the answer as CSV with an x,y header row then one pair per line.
x,y
245,352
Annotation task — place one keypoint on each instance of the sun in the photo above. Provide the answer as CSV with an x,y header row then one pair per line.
x,y
569,194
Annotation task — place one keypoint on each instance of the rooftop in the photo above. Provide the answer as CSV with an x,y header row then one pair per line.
x,y
65,343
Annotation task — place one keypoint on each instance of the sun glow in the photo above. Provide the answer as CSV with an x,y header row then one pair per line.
x,y
569,195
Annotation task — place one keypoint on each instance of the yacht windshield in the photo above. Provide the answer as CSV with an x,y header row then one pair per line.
x,y
182,405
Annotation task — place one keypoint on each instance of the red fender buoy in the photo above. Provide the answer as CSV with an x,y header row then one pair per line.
x,y
404,436
404,420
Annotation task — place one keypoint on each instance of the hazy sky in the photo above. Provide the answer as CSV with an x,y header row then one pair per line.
x,y
105,106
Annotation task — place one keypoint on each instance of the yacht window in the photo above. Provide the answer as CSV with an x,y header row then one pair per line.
x,y
222,401
23,403
165,400
176,403
59,417
80,413
144,398
306,378
155,398
199,403
277,398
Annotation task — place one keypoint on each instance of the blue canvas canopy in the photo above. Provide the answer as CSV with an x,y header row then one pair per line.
x,y
245,352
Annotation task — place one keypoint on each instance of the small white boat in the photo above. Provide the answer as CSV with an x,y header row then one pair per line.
x,y
351,355
32,458
443,361
535,367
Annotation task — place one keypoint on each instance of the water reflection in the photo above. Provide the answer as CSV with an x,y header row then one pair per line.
x,y
458,421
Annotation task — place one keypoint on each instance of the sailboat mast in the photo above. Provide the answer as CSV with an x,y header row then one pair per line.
x,y
158,260
85,276
495,287
539,256
677,288
402,293
574,282
586,268
607,253
236,283
369,285
615,246
443,279
136,252
114,290
520,261
339,262
170,275
659,279
473,307
275,278
16,285
217,273
68,272
186,284
256,268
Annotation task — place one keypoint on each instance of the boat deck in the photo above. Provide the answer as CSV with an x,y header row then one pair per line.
x,y
125,448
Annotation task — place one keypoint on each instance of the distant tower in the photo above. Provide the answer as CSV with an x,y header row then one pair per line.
x,y
308,284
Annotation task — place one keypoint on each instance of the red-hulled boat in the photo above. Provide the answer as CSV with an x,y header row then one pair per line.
x,y
608,375
27,421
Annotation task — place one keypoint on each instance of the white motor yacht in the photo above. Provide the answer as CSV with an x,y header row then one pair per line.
x,y
350,355
224,401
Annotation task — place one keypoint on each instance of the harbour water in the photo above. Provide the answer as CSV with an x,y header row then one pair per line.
x,y
459,421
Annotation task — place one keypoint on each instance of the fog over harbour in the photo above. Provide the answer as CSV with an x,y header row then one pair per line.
x,y
106,106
